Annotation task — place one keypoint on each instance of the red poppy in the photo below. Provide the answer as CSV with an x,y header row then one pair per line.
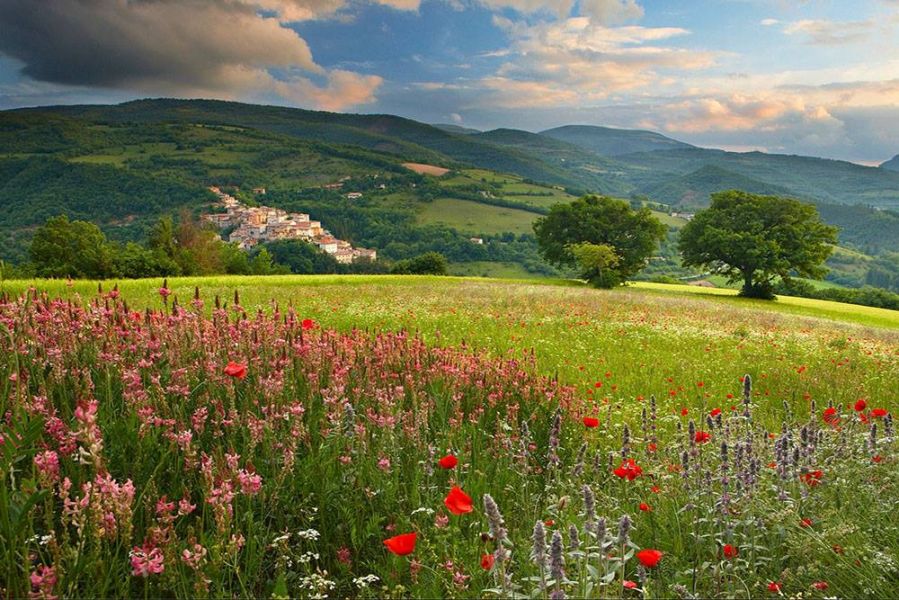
x,y
487,562
877,458
402,544
860,405
549,522
684,412
715,412
307,324
774,587
645,507
458,502
591,422
448,462
649,557
629,585
830,416
628,469
700,384
702,437
805,523
812,478
236,370
651,447
730,551
820,585
879,412
655,489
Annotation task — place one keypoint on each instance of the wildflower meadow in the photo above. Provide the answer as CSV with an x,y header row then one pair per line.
x,y
335,439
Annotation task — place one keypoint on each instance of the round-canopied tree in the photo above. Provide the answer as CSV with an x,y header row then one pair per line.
x,y
598,229
757,239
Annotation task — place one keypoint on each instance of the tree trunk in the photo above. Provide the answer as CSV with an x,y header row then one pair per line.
x,y
747,282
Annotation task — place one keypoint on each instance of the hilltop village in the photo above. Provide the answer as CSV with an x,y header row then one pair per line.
x,y
254,224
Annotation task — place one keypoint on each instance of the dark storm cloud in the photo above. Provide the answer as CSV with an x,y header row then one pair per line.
x,y
147,43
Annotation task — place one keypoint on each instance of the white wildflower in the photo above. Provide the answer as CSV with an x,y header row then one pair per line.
x,y
309,534
366,580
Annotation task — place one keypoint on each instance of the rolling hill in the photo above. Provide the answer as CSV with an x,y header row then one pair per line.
x,y
892,164
694,189
598,159
808,178
125,165
608,141
592,172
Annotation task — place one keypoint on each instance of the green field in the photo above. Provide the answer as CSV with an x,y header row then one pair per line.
x,y
475,218
303,420
668,220
483,268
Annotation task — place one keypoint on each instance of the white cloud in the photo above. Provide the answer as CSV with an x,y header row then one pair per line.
x,y
606,12
830,33
290,11
574,60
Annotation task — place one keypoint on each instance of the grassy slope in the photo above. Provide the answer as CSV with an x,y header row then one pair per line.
x,y
257,291
475,218
837,311
643,334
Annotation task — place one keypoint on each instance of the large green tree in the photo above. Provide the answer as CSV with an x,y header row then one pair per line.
x,y
63,248
757,240
630,235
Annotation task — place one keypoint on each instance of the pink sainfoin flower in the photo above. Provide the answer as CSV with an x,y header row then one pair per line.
x,y
185,507
220,498
250,483
198,419
89,433
194,557
47,464
146,560
113,502
60,433
384,464
232,460
164,510
344,555
43,579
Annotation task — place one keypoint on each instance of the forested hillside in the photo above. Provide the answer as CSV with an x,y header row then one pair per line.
x,y
124,166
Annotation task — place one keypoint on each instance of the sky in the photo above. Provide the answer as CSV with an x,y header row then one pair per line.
x,y
813,77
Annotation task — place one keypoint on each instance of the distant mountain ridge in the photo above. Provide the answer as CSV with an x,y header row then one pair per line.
x,y
608,141
581,158
892,164
453,128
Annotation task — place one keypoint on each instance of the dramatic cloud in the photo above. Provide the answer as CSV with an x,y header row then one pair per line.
x,y
343,89
186,47
852,120
575,60
738,113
